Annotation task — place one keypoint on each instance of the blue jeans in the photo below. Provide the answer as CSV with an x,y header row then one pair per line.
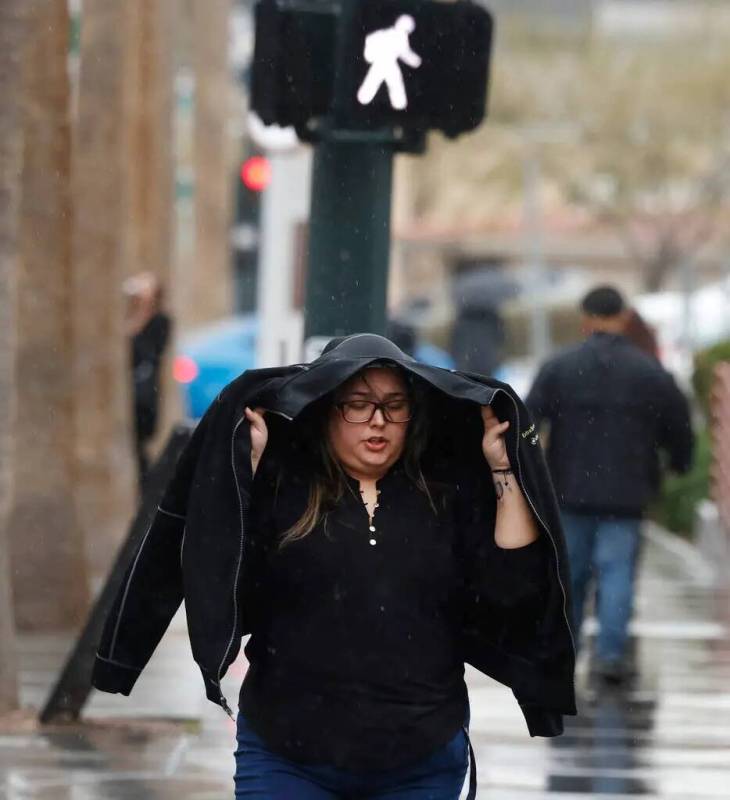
x,y
605,548
263,775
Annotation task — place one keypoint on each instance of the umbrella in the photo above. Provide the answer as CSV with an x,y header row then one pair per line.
x,y
485,288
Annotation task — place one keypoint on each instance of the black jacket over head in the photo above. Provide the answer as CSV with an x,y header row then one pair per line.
x,y
196,545
613,412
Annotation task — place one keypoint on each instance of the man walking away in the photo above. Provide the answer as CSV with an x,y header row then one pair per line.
x,y
612,411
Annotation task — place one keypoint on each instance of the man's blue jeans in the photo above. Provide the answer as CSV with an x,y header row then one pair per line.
x,y
605,549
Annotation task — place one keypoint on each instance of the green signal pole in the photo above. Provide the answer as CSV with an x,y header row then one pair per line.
x,y
349,244
349,238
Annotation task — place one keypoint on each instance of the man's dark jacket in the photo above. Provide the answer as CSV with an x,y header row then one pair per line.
x,y
196,544
613,412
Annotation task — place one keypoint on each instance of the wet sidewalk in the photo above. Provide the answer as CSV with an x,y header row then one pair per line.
x,y
667,736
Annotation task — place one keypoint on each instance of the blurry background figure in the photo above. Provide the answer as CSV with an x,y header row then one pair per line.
x,y
403,335
477,340
407,338
148,329
611,410
478,335
641,334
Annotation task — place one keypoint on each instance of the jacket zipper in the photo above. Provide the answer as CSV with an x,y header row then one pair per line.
x,y
223,701
537,516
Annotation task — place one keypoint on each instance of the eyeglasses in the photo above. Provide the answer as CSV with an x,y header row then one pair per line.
x,y
358,411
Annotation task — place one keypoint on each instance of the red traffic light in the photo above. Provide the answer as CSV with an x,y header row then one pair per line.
x,y
256,173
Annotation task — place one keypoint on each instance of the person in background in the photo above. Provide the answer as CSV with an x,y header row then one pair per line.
x,y
641,334
610,408
406,338
148,329
477,339
402,335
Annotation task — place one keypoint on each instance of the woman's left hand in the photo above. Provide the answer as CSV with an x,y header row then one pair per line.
x,y
493,444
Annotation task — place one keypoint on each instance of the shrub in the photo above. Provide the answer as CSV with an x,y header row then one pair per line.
x,y
704,368
680,494
675,506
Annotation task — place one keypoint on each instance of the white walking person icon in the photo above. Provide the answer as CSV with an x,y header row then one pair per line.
x,y
383,50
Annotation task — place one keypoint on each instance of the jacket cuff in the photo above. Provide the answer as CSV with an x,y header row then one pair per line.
x,y
541,722
212,688
113,677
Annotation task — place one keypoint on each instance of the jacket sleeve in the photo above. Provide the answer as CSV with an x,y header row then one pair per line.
x,y
674,430
542,721
152,589
494,576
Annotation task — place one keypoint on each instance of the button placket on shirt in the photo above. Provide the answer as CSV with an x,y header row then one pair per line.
x,y
371,517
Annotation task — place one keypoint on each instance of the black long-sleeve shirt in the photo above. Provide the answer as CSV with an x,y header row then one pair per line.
x,y
355,657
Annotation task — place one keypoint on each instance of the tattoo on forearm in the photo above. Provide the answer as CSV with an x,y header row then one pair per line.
x,y
502,482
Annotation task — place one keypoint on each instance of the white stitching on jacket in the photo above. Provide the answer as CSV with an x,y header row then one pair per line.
x,y
126,590
182,546
170,513
118,663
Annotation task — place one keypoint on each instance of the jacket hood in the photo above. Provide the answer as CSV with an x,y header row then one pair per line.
x,y
343,357
359,345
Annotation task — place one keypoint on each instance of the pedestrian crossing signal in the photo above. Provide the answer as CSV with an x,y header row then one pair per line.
x,y
384,51
414,64
419,65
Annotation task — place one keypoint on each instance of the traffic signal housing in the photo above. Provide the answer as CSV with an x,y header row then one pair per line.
x,y
293,64
445,85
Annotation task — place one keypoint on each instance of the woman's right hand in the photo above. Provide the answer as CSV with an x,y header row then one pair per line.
x,y
259,435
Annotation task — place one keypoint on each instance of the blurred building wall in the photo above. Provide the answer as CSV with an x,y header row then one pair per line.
x,y
209,281
574,15
49,569
101,184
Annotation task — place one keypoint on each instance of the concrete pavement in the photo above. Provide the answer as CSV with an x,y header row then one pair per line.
x,y
668,736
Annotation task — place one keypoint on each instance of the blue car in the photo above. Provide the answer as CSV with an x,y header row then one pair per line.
x,y
212,356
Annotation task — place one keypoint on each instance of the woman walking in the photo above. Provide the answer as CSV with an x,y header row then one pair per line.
x,y
394,523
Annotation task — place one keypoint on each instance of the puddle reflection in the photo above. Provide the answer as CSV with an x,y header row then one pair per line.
x,y
601,750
